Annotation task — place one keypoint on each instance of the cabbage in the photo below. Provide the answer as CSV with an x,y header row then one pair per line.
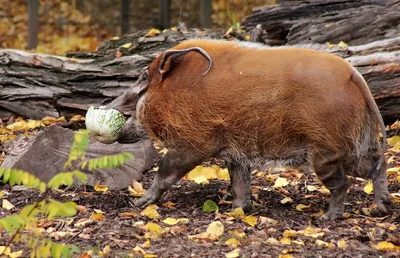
x,y
105,124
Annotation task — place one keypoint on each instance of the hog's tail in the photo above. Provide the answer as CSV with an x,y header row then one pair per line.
x,y
360,82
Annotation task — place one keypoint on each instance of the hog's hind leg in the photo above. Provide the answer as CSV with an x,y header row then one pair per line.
x,y
381,193
329,169
173,167
240,184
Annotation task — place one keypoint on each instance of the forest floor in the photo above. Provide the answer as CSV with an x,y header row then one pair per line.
x,y
284,223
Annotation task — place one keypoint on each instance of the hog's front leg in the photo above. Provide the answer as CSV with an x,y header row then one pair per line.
x,y
173,167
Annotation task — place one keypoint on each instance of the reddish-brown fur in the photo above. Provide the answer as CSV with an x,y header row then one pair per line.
x,y
256,100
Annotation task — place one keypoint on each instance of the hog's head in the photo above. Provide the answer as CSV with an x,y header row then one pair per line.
x,y
118,121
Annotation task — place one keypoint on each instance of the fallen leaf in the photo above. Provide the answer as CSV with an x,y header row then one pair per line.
x,y
101,188
127,215
386,246
150,212
232,242
289,233
342,44
223,174
286,200
272,241
172,221
369,188
251,220
301,207
236,213
127,45
342,244
146,244
7,205
313,232
323,243
280,182
311,188
154,229
233,254
97,217
136,189
285,241
169,205
210,206
152,32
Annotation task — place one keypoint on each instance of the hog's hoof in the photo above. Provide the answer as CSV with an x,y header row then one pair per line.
x,y
383,204
331,216
245,205
148,198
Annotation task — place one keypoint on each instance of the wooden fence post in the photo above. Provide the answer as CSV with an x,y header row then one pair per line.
x,y
33,23
205,13
165,10
125,16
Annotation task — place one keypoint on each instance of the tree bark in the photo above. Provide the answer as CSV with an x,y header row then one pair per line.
x,y
321,21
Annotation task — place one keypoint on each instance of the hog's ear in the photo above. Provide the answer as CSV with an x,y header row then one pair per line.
x,y
170,55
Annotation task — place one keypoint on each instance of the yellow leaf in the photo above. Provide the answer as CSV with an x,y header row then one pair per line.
x,y
324,190
215,229
313,232
386,246
342,44
238,234
366,211
286,241
289,233
146,244
154,229
233,254
251,220
223,174
7,205
150,212
236,213
301,207
201,180
127,45
136,189
321,243
298,242
5,250
172,221
272,241
393,140
106,250
286,200
285,256
97,217
232,242
281,182
152,32
369,188
311,188
139,250
16,254
342,244
149,255
100,188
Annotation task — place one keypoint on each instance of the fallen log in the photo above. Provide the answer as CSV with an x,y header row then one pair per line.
x,y
44,154
37,85
321,21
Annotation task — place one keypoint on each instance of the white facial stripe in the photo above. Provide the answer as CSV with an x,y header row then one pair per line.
x,y
139,106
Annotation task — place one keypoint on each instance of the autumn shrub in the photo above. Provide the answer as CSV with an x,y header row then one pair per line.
x,y
21,227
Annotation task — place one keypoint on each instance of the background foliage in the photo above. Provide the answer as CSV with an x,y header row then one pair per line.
x,y
72,25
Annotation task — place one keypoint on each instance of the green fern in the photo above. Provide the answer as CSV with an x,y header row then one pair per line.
x,y
47,207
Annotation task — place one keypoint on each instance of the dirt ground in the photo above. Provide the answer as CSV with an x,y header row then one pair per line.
x,y
361,232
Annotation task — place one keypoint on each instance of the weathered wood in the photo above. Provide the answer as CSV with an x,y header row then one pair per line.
x,y
37,85
45,153
320,21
